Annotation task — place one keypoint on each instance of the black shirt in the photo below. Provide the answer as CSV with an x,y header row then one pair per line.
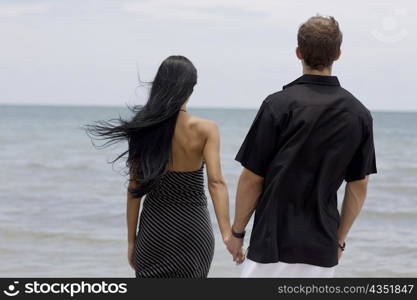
x,y
304,141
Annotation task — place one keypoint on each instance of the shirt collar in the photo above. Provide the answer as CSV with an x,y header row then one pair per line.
x,y
315,79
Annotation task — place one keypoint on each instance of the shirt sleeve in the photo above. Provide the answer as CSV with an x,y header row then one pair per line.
x,y
259,146
363,162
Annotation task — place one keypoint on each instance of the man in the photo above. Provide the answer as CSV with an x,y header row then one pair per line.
x,y
304,141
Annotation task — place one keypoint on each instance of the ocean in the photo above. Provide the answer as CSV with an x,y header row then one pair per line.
x,y
62,206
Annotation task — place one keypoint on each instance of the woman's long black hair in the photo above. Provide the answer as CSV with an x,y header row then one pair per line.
x,y
149,133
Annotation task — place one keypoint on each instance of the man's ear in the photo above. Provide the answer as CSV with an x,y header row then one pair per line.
x,y
338,54
298,53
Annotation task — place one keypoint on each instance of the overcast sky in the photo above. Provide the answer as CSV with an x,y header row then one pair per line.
x,y
86,51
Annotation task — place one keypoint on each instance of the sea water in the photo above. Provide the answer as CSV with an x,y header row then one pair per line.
x,y
62,206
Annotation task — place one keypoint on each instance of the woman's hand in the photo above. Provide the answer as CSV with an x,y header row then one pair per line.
x,y
131,254
235,247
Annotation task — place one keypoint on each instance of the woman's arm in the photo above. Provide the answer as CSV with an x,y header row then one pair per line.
x,y
132,214
216,184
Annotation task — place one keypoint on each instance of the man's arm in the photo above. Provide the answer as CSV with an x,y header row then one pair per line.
x,y
249,189
355,194
255,155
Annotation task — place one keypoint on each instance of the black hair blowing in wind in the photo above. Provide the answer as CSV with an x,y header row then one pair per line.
x,y
149,133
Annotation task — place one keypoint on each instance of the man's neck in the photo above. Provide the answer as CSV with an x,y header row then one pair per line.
x,y
324,72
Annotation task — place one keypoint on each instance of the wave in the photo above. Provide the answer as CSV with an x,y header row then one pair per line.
x,y
68,167
57,236
387,214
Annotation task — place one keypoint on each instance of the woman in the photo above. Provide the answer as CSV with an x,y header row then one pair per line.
x,y
167,150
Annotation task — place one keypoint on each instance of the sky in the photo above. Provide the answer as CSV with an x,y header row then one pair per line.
x,y
88,52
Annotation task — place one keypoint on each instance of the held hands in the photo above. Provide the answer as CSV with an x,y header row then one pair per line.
x,y
235,247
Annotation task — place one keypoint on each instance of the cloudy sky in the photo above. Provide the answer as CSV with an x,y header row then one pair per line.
x,y
87,51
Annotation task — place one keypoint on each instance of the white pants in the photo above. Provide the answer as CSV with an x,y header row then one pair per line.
x,y
281,269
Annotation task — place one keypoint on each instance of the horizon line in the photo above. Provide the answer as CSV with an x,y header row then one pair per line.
x,y
191,106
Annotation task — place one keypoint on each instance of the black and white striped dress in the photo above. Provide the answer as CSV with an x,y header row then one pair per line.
x,y
175,236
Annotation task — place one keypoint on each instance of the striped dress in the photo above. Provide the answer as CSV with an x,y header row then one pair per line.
x,y
175,238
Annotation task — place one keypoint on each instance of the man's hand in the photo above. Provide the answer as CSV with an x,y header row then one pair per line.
x,y
340,250
130,255
339,255
235,247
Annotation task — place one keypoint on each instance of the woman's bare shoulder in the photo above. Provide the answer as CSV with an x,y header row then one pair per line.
x,y
203,126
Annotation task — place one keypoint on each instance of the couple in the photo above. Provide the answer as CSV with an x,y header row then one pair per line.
x,y
304,142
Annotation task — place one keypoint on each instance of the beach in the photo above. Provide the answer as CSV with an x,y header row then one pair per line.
x,y
62,207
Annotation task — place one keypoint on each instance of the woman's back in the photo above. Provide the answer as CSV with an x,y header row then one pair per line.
x,y
188,143
175,212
